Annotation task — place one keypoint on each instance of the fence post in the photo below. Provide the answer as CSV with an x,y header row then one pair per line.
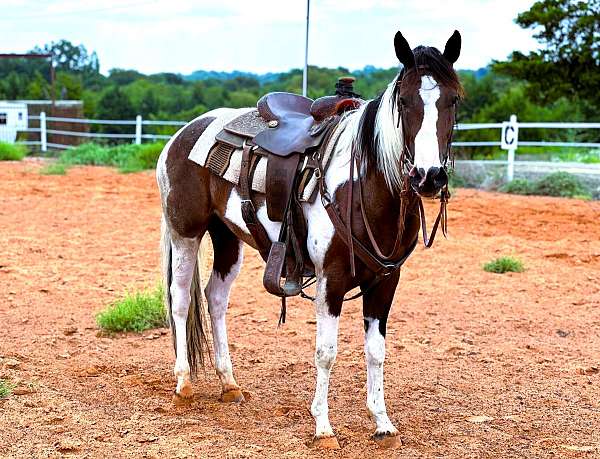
x,y
510,171
138,130
43,136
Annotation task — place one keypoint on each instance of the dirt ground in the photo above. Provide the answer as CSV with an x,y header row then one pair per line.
x,y
478,364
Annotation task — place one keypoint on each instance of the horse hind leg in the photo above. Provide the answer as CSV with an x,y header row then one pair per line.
x,y
228,256
184,304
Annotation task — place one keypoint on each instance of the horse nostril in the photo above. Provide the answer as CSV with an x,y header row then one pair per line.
x,y
433,172
440,177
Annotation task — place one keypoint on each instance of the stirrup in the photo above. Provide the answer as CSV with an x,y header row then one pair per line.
x,y
273,270
291,287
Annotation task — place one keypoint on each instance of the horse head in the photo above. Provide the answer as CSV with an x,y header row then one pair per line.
x,y
427,93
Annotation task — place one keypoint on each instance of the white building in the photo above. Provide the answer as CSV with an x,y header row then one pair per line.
x,y
13,118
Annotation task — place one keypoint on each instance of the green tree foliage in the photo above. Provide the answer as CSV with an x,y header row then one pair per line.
x,y
115,104
71,58
568,65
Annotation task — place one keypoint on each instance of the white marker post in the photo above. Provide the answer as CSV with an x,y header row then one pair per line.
x,y
138,130
510,141
43,134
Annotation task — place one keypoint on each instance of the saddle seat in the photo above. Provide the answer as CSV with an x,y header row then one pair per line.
x,y
290,124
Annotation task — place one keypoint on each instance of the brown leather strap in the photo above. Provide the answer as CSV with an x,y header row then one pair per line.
x,y
360,251
442,218
257,230
394,253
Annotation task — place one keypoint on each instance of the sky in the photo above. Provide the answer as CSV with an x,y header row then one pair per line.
x,y
261,36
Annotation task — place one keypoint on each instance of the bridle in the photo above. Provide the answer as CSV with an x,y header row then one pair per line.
x,y
407,164
379,263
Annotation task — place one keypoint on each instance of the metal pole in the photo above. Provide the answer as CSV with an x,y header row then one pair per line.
x,y
305,72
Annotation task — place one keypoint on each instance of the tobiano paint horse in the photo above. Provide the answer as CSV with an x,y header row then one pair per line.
x,y
402,142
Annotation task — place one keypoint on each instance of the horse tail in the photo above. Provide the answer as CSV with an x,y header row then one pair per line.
x,y
197,342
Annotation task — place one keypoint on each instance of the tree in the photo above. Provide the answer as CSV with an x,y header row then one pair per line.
x,y
115,105
122,77
149,103
71,58
569,63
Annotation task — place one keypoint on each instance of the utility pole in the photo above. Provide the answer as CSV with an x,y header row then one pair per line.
x,y
305,73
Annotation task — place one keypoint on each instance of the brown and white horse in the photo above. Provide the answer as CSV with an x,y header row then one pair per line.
x,y
406,130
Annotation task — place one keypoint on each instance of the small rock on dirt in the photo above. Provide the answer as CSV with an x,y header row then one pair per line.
x,y
147,439
12,364
23,390
479,419
587,370
585,449
67,445
70,331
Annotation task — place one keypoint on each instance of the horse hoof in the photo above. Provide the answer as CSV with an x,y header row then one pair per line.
x,y
387,440
232,396
180,400
328,442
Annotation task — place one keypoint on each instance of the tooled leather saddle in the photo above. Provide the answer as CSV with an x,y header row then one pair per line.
x,y
288,129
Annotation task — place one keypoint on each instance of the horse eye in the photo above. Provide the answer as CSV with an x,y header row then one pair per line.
x,y
402,101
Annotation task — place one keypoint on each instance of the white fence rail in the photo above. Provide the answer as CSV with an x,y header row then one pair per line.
x,y
138,135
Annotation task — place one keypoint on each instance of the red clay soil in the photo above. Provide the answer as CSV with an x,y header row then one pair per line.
x,y
479,364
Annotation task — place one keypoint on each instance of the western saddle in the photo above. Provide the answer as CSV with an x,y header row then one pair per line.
x,y
289,130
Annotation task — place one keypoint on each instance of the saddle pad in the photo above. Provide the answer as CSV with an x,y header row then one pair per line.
x,y
226,161
206,141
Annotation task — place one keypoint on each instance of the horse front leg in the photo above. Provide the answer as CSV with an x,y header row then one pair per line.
x,y
328,307
376,307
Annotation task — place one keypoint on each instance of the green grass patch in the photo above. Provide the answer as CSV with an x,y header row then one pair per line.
x,y
6,388
56,168
136,312
12,152
504,265
518,186
127,158
559,184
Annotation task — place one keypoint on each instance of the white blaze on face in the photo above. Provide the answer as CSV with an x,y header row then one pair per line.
x,y
427,151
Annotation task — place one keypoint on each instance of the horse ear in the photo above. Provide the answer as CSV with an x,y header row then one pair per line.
x,y
452,49
403,51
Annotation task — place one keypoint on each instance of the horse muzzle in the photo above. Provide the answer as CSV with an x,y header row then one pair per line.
x,y
428,183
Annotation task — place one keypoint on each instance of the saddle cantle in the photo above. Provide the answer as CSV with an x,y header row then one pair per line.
x,y
286,128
